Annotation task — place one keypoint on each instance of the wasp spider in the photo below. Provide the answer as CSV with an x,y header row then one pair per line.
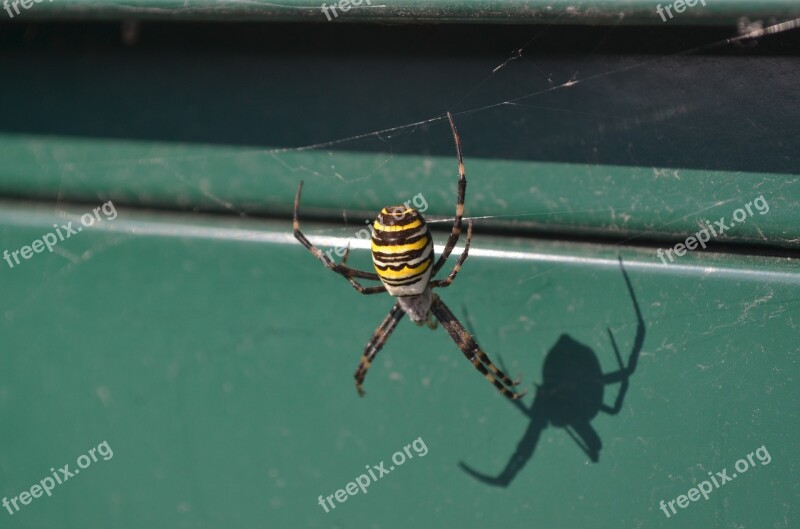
x,y
402,253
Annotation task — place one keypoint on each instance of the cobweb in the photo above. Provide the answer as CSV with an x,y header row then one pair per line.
x,y
527,86
529,105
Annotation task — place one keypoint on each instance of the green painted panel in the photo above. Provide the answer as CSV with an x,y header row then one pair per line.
x,y
205,348
216,357
634,203
611,134
422,11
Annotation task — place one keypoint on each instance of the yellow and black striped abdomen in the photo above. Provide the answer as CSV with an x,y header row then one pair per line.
x,y
402,250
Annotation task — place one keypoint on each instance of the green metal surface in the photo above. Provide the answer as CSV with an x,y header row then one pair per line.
x,y
632,149
215,356
419,11
633,203
216,360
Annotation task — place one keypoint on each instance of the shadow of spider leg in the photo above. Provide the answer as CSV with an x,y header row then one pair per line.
x,y
525,448
570,396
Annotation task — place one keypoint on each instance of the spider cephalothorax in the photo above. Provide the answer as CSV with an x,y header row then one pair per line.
x,y
402,252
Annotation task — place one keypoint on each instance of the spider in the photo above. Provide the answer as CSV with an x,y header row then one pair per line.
x,y
402,253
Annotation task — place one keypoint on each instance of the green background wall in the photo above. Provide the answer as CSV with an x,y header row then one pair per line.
x,y
215,355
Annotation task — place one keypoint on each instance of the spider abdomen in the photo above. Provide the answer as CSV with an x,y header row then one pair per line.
x,y
402,250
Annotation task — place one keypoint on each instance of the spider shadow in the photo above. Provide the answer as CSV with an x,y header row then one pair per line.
x,y
570,397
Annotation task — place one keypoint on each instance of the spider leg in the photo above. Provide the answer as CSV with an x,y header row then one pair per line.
x,y
518,403
341,269
346,254
462,190
376,343
442,283
500,362
362,289
472,350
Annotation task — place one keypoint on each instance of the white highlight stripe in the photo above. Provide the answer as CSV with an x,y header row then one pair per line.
x,y
161,228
